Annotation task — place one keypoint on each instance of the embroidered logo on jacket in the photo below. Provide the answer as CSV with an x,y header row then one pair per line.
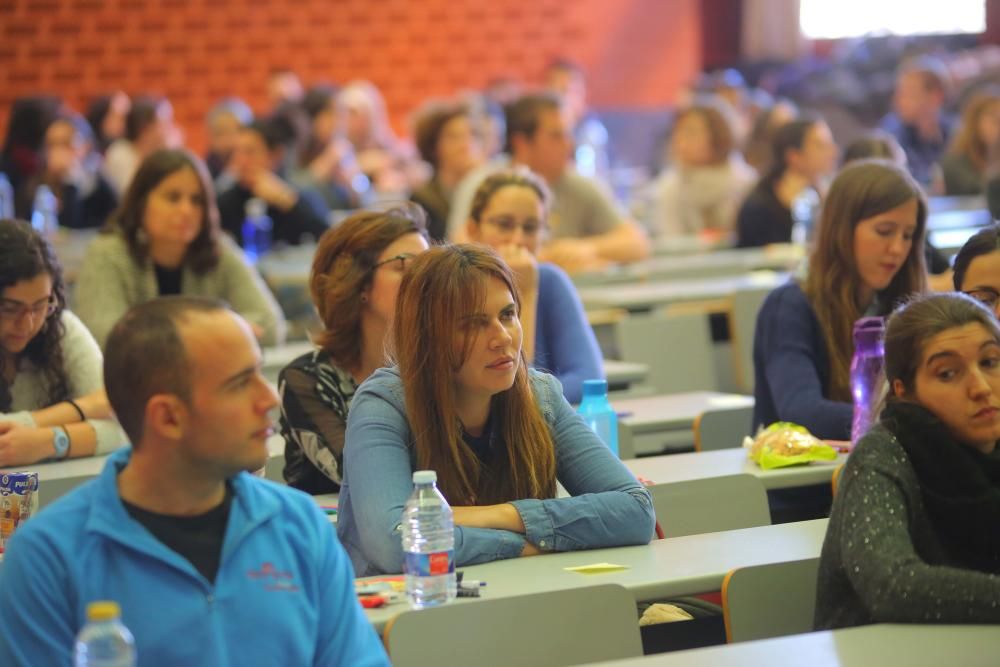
x,y
273,578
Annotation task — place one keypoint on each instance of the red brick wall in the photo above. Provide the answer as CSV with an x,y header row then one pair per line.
x,y
195,51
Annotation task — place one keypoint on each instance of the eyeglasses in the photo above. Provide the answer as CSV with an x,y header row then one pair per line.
x,y
12,311
400,260
507,227
987,296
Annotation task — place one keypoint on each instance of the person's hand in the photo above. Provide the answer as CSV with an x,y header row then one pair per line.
x,y
523,264
20,445
269,187
573,255
324,165
530,550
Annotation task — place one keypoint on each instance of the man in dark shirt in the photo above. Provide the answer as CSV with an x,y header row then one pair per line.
x,y
256,162
917,120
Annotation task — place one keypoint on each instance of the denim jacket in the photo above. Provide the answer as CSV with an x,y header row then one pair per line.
x,y
608,506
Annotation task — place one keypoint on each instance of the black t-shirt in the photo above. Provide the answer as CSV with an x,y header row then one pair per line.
x,y
168,281
481,445
763,219
197,538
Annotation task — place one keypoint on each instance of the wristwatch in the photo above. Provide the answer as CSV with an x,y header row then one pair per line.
x,y
61,442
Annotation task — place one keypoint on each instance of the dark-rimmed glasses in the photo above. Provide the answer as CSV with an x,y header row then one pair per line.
x,y
401,261
13,311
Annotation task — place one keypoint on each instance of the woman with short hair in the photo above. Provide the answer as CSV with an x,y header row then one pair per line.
x,y
354,280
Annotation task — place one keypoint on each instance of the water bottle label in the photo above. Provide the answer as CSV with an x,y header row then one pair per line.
x,y
429,565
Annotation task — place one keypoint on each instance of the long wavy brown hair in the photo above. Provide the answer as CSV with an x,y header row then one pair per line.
x,y
443,286
861,190
25,255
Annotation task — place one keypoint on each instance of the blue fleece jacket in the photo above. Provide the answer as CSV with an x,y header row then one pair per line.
x,y
283,594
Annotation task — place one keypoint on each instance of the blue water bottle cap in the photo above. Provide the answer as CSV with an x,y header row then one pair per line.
x,y
595,388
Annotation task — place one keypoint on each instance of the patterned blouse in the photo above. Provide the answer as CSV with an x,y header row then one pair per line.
x,y
315,398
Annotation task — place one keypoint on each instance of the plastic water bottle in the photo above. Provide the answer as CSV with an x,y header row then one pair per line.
x,y
597,412
45,211
428,544
591,153
6,197
104,641
256,231
804,209
866,371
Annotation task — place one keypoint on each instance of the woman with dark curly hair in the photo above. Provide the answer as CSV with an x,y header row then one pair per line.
x,y
165,239
52,402
355,276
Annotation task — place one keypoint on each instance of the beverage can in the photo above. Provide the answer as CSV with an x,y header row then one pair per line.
x,y
18,502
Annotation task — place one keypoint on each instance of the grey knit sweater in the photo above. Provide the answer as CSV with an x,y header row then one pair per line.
x,y
110,282
882,561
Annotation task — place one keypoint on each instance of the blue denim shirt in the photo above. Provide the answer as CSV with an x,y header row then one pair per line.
x,y
608,508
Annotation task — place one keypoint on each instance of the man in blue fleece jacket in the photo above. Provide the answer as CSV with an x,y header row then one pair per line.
x,y
210,565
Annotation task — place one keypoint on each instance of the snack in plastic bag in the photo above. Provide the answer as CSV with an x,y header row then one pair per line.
x,y
786,444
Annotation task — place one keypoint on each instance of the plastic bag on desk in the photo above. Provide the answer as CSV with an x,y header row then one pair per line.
x,y
786,444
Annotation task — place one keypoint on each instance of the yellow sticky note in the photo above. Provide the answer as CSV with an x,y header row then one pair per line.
x,y
597,568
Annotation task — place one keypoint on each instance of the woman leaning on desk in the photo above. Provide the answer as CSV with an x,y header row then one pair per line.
x,y
462,402
914,536
863,263
52,402
165,239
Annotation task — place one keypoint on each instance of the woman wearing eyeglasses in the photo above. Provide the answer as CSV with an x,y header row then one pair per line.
x,y
509,213
165,239
977,267
354,280
52,402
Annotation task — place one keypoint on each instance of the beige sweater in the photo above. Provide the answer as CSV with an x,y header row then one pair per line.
x,y
110,282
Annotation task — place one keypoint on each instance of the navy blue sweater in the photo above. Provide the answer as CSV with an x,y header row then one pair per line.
x,y
792,368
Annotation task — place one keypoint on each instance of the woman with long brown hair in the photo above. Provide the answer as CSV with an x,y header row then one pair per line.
x,y
165,239
354,281
462,402
863,263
